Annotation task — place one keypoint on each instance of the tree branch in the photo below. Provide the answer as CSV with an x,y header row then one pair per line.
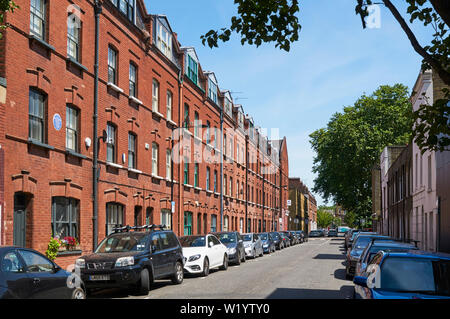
x,y
442,7
443,74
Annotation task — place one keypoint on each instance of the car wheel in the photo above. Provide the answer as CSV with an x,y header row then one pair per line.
x,y
205,267
144,287
225,263
178,276
78,293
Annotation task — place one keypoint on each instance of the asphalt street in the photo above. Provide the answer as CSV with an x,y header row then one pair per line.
x,y
314,269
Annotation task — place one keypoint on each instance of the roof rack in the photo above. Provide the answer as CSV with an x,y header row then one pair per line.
x,y
137,228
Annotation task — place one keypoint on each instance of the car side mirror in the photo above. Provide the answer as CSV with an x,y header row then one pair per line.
x,y
153,248
56,268
360,281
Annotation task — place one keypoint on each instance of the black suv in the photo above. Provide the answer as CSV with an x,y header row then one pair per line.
x,y
133,257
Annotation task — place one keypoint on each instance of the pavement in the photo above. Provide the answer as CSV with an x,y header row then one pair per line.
x,y
312,270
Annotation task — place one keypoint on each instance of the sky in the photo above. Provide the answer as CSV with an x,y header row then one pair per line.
x,y
334,62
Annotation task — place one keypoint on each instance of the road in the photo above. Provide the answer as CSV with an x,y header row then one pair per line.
x,y
314,269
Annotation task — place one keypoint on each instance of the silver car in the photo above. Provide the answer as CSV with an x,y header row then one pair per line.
x,y
253,245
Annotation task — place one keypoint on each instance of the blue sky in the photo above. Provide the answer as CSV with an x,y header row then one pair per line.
x,y
334,62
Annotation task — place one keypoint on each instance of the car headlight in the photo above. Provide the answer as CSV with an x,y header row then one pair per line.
x,y
231,251
194,258
125,261
80,263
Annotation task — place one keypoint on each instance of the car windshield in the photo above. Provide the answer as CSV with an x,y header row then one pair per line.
x,y
123,243
362,242
275,235
193,241
374,250
247,237
263,236
228,238
418,275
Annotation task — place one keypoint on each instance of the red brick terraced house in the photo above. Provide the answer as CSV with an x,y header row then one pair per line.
x,y
158,130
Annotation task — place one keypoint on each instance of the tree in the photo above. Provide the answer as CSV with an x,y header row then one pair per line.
x,y
5,6
324,218
275,21
348,147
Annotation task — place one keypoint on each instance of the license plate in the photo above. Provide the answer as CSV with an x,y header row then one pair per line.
x,y
99,277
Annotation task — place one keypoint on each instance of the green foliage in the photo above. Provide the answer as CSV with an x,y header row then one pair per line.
x,y
324,218
350,145
261,21
432,124
350,219
52,248
6,6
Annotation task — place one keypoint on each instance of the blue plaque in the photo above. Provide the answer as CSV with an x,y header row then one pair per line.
x,y
57,121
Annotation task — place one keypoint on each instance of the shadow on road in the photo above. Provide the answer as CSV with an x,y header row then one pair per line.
x,y
345,292
329,256
341,274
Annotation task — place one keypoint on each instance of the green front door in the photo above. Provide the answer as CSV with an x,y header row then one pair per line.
x,y
187,223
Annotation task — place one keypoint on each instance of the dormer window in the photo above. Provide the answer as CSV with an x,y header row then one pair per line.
x,y
192,69
164,40
227,106
212,90
126,7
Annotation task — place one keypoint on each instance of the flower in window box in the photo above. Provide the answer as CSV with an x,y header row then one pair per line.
x,y
69,242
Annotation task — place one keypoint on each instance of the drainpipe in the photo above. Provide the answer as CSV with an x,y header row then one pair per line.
x,y
180,158
98,11
221,168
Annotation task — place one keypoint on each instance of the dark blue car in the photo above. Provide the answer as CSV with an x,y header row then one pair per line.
x,y
414,274
268,243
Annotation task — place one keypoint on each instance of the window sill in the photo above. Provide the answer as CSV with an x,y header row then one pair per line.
x,y
188,186
133,170
37,143
209,192
172,122
64,253
76,63
34,38
135,100
158,177
114,165
158,114
114,87
73,153
197,188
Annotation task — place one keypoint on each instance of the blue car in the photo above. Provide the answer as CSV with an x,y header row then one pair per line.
x,y
377,245
414,274
268,243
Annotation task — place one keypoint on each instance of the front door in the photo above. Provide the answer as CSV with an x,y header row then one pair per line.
x,y
20,220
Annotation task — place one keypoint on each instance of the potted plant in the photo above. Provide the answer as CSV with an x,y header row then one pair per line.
x,y
53,248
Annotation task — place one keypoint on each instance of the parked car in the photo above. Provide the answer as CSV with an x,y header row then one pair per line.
x,y
414,274
377,245
285,239
348,236
291,237
300,236
325,232
133,257
316,233
354,235
332,233
203,253
267,242
353,255
304,235
277,240
235,246
342,231
27,274
253,245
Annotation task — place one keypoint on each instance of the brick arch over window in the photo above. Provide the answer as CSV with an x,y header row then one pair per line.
x,y
65,189
24,183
